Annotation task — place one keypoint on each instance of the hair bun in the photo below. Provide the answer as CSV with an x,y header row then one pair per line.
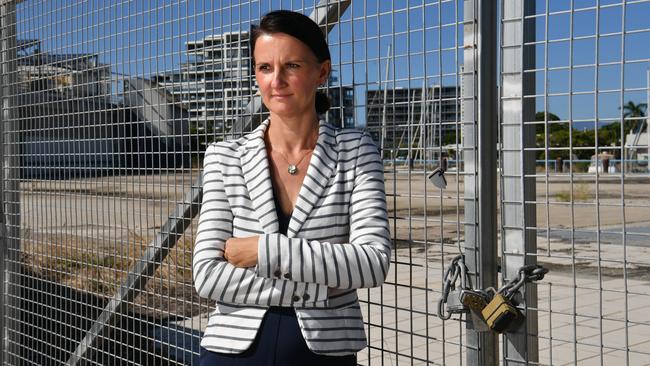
x,y
322,102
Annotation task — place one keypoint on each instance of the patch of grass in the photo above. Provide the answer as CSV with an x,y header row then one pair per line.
x,y
84,265
581,193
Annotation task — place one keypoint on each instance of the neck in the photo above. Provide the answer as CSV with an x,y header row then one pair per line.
x,y
291,135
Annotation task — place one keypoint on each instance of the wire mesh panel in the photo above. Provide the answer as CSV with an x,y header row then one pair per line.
x,y
575,176
107,108
411,78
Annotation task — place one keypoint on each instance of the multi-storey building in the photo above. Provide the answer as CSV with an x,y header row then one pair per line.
x,y
402,120
341,112
215,84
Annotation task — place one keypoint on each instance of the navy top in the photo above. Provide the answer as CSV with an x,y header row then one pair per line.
x,y
283,219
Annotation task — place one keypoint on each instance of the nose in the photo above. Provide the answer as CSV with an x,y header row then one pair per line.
x,y
278,80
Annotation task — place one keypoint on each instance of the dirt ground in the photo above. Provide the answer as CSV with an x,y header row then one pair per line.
x,y
416,203
87,233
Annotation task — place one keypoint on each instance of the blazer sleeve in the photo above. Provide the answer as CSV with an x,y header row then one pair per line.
x,y
364,261
214,277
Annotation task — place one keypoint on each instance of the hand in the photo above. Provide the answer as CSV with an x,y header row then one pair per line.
x,y
241,252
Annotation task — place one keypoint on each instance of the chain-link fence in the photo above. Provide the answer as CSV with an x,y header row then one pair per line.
x,y
107,108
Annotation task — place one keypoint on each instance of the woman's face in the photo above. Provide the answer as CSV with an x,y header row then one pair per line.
x,y
288,73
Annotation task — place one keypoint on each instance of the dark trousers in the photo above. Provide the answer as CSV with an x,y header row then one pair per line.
x,y
279,342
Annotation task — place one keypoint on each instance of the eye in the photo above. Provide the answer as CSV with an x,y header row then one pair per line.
x,y
263,67
293,66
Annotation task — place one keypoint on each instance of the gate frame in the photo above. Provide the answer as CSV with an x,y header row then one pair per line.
x,y
479,117
10,268
518,183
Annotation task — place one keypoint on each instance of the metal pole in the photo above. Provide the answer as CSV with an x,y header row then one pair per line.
x,y
10,205
479,145
647,117
518,169
3,226
383,113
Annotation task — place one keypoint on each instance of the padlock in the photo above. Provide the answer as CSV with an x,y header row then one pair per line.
x,y
437,177
475,300
454,302
500,315
478,322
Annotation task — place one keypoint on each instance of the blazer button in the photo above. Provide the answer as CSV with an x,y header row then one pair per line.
x,y
277,273
295,298
287,276
305,297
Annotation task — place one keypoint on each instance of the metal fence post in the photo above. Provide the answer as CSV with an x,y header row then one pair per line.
x,y
10,197
479,145
518,166
3,235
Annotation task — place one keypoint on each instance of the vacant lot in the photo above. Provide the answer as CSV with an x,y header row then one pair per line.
x,y
87,233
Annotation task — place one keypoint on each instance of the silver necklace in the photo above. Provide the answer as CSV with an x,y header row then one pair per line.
x,y
293,168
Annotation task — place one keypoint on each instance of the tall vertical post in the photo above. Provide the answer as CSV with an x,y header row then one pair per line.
x,y
647,117
3,235
9,196
479,152
518,169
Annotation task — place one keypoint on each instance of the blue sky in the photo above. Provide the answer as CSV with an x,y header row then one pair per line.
x,y
143,38
139,40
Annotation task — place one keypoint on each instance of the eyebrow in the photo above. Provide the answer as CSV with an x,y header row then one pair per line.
x,y
288,61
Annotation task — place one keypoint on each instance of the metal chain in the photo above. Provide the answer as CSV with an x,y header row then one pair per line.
x,y
526,274
455,270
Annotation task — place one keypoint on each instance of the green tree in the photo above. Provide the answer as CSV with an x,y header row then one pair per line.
x,y
633,111
558,135
554,134
630,109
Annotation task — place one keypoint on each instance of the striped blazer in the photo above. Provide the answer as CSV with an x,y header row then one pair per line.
x,y
338,240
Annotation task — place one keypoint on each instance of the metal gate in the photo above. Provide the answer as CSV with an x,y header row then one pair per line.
x,y
107,107
574,161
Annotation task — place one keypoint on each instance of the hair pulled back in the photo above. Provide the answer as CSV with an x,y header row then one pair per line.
x,y
304,29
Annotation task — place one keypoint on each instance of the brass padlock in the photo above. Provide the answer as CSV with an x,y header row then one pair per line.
x,y
500,315
475,300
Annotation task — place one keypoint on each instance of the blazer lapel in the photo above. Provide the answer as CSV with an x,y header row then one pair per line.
x,y
255,168
320,171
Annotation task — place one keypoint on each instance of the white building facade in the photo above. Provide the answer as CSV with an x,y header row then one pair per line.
x,y
216,83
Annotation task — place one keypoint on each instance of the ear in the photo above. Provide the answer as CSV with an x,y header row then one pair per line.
x,y
325,69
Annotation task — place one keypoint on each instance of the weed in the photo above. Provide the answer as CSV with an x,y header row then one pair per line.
x,y
581,193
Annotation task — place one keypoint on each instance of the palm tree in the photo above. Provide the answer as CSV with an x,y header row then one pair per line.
x,y
634,111
635,124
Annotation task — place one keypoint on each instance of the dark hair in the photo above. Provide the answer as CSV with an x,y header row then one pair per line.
x,y
302,28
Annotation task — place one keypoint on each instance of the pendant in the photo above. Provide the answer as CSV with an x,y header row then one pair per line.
x,y
292,169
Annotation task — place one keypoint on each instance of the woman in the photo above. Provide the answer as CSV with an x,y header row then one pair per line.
x,y
293,219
